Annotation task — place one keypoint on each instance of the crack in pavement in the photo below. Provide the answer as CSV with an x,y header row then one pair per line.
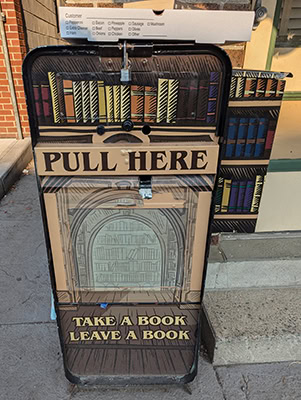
x,y
219,382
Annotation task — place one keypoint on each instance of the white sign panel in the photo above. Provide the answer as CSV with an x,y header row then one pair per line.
x,y
109,24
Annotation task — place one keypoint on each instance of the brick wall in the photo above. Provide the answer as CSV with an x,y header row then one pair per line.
x,y
17,51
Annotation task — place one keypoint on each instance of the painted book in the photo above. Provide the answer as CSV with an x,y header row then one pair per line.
x,y
86,101
240,196
212,97
46,106
202,101
226,195
241,137
93,101
117,102
261,87
187,100
137,103
231,137
125,103
269,138
69,101
280,88
54,97
251,137
38,100
233,87
150,104
257,194
261,136
233,196
250,87
219,194
172,102
109,103
240,87
102,112
271,88
248,196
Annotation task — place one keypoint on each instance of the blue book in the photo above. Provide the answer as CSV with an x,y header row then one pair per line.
x,y
251,136
261,135
231,136
241,137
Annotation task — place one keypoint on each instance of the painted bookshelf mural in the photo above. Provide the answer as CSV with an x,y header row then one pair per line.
x,y
164,101
254,105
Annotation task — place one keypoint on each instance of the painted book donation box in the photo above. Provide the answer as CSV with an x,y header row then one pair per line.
x,y
126,148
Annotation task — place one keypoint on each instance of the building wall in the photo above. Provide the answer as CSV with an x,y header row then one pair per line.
x,y
280,204
40,23
17,51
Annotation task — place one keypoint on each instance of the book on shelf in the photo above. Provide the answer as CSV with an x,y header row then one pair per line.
x,y
233,196
250,87
248,196
240,196
261,136
226,195
257,194
251,136
231,136
241,137
219,194
261,87
269,138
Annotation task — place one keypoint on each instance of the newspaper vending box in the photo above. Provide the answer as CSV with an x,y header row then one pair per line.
x,y
126,146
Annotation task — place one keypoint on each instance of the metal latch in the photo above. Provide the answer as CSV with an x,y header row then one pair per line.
x,y
125,72
145,187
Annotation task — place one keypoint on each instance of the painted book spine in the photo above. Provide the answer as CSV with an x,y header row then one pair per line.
x,y
271,88
93,101
212,97
233,197
109,103
270,138
261,87
231,138
226,195
69,101
38,100
233,87
280,88
248,196
219,194
86,101
257,194
125,106
250,87
240,87
45,94
54,97
241,196
102,112
241,137
202,101
172,103
187,100
251,137
78,101
261,135
117,102
137,103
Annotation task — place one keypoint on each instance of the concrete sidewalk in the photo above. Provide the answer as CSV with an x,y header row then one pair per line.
x,y
14,156
31,366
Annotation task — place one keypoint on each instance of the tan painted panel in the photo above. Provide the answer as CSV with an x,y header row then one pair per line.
x,y
55,240
200,237
257,48
287,143
288,59
127,160
280,204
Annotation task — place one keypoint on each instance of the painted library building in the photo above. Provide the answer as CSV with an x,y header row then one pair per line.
x,y
259,184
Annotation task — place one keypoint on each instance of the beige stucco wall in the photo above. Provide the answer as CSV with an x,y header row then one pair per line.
x,y
288,59
287,143
257,49
280,208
